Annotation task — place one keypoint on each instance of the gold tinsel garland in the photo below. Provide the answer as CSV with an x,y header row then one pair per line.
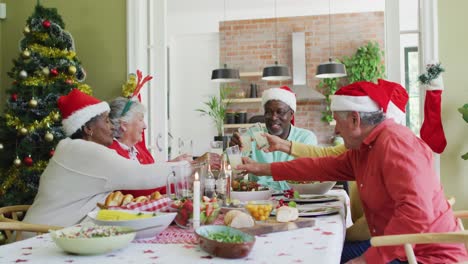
x,y
129,86
14,121
52,52
43,80
85,88
13,176
41,36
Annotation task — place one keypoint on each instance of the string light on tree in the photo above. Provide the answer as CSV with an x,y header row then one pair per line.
x,y
26,30
1,146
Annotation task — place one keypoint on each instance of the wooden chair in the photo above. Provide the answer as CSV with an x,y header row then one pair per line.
x,y
426,238
11,225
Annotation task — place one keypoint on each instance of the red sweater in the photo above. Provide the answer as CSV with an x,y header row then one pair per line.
x,y
144,157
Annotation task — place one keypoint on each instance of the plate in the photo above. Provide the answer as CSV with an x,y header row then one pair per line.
x,y
312,198
161,221
315,211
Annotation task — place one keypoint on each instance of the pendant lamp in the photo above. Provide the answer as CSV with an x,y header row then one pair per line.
x,y
276,72
330,69
225,74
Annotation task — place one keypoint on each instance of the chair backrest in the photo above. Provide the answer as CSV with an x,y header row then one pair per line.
x,y
11,225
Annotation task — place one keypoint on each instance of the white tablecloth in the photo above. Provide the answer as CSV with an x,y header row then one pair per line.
x,y
319,244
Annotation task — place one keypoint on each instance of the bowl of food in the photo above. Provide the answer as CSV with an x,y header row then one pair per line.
x,y
209,211
92,239
314,187
244,191
224,241
135,220
260,210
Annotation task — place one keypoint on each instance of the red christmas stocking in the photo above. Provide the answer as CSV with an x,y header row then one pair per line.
x,y
432,131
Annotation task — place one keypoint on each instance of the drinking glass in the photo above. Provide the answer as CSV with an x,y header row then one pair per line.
x,y
257,132
234,155
185,146
246,141
216,147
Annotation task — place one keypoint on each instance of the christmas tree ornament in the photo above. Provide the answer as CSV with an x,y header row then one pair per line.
x,y
23,131
23,74
56,117
17,162
26,30
72,69
32,103
14,97
26,54
54,72
45,71
52,152
28,161
46,23
49,137
1,146
69,81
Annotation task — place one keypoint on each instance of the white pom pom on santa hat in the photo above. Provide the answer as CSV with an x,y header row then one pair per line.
x,y
77,108
370,97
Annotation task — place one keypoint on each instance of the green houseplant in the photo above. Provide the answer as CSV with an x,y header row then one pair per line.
x,y
365,65
215,108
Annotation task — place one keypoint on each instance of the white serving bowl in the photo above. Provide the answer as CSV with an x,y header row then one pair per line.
x,y
162,220
312,188
251,196
91,245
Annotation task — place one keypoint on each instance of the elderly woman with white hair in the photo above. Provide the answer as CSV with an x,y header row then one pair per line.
x,y
127,117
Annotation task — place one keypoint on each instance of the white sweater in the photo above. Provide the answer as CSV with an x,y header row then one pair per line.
x,y
82,173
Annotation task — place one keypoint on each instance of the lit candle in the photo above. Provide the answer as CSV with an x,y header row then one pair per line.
x,y
196,202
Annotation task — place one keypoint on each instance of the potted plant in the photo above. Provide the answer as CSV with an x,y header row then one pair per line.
x,y
216,108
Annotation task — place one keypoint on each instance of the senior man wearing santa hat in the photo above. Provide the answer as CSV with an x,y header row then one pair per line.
x,y
279,105
392,167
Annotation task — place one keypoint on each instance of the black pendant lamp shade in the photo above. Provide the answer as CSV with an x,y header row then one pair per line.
x,y
276,73
331,69
225,75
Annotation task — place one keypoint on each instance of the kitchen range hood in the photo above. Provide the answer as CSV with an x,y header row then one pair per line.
x,y
300,87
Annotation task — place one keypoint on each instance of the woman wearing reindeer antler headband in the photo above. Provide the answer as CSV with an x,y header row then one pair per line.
x,y
127,117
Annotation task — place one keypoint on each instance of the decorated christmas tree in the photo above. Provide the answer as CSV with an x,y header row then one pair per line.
x,y
46,68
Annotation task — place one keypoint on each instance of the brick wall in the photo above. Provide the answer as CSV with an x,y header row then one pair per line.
x,y
250,45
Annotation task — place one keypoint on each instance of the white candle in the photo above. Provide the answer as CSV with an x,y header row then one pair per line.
x,y
196,202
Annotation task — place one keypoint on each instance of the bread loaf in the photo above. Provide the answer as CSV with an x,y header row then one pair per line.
x,y
230,215
114,199
140,199
286,214
128,198
242,220
155,196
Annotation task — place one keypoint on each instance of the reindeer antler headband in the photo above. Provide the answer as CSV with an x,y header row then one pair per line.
x,y
141,81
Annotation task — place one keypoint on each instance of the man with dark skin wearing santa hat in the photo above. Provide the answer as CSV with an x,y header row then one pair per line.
x,y
279,105
393,169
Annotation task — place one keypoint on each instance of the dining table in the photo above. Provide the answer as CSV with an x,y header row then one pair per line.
x,y
321,243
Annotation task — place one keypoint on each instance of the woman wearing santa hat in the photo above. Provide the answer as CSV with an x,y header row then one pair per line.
x,y
279,105
83,170
393,170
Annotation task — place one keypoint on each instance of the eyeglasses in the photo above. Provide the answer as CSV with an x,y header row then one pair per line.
x,y
279,112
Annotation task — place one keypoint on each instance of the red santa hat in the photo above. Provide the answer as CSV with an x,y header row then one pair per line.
x,y
77,108
363,96
283,94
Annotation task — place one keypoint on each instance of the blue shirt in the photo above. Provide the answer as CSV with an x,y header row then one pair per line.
x,y
296,134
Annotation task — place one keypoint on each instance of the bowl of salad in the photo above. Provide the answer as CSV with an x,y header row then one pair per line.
x,y
311,187
224,241
92,239
244,191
